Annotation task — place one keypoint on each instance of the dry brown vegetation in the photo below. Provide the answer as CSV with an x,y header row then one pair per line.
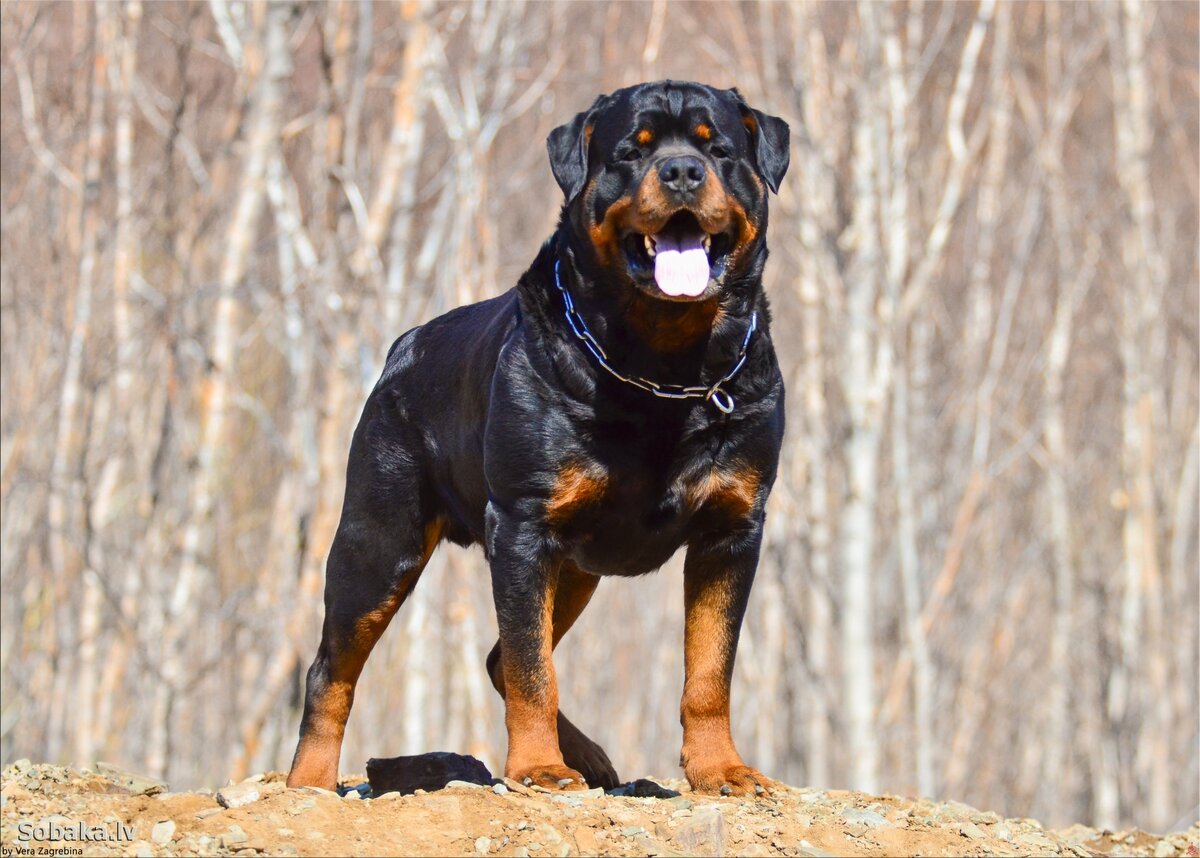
x,y
980,576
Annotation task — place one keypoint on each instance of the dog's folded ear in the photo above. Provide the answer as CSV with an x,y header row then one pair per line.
x,y
769,139
567,146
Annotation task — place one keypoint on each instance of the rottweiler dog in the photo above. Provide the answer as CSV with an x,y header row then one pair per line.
x,y
622,401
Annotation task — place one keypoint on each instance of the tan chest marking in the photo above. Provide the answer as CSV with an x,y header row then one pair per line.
x,y
577,486
733,491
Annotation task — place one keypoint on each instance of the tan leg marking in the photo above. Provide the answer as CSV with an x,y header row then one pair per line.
x,y
572,594
709,758
320,748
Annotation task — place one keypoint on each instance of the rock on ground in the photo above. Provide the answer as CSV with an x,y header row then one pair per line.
x,y
468,820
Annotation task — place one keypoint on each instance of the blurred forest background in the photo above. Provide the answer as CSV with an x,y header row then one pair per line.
x,y
981,578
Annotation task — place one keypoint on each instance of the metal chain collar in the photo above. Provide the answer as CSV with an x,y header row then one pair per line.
x,y
722,400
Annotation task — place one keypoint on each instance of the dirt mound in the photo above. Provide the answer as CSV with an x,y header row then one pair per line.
x,y
110,812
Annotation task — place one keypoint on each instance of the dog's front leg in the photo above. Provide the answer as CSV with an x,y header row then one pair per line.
x,y
716,584
524,580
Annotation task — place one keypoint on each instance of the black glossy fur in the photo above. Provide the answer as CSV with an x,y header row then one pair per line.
x,y
492,425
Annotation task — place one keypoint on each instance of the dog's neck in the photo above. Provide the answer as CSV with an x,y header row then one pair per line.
x,y
669,341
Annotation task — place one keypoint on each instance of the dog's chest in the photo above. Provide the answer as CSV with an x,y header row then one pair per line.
x,y
623,521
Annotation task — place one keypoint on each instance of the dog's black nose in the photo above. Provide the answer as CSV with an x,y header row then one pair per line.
x,y
682,174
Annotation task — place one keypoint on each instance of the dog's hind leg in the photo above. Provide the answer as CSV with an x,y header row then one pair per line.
x,y
574,591
383,542
364,589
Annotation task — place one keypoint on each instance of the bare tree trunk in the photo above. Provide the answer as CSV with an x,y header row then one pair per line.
x,y
67,503
865,408
1141,299
898,254
922,687
65,480
125,250
397,191
266,115
1073,285
960,149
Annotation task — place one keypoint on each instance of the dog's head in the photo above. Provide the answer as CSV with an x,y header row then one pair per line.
x,y
666,185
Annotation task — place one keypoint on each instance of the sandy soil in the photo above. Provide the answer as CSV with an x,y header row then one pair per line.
x,y
513,820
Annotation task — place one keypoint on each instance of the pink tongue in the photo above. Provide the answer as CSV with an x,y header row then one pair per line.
x,y
681,265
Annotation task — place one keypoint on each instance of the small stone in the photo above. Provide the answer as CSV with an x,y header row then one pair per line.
x,y
517,786
238,795
1164,849
142,849
353,795
483,844
959,810
162,832
632,831
971,830
208,811
521,852
681,803
463,785
301,806
856,829
1038,841
522,825
703,835
866,818
134,784
1003,832
234,835
810,851
597,792
499,789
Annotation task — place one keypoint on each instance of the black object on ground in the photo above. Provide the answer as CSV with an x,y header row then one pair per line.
x,y
429,772
643,788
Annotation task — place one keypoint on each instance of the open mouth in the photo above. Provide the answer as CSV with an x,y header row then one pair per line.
x,y
681,258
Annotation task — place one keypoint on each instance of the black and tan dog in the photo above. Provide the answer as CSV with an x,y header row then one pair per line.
x,y
623,400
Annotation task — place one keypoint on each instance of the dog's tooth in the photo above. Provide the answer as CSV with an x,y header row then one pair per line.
x,y
650,248
707,243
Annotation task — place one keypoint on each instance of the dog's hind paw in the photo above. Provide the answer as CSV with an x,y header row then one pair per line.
x,y
580,752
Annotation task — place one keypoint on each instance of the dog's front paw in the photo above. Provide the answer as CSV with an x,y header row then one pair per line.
x,y
551,777
728,779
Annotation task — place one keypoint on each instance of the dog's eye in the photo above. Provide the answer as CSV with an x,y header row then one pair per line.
x,y
719,152
629,155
